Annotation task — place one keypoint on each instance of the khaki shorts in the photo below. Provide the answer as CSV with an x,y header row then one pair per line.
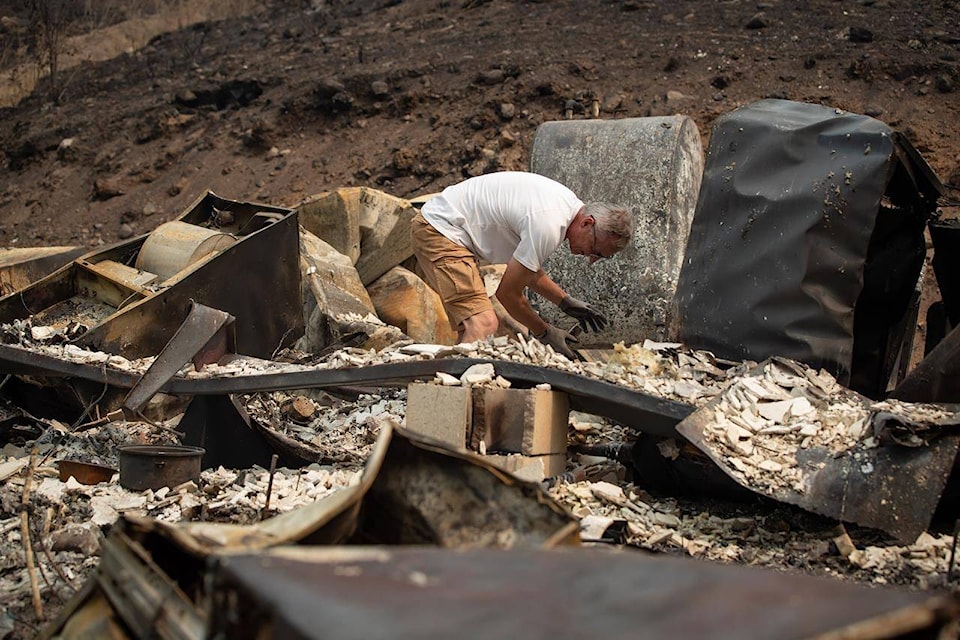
x,y
451,270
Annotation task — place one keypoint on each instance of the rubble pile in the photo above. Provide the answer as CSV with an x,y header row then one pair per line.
x,y
765,418
664,370
239,496
761,417
776,538
341,432
68,520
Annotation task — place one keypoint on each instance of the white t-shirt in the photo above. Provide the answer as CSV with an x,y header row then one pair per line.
x,y
510,214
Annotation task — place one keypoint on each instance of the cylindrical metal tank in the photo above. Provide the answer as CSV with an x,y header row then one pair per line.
x,y
652,165
173,246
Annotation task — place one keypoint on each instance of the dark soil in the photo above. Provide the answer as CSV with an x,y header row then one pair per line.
x,y
408,96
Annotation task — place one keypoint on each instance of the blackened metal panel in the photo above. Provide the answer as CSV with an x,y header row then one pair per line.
x,y
257,280
21,267
891,478
650,414
221,426
198,330
936,378
46,292
946,265
376,592
775,260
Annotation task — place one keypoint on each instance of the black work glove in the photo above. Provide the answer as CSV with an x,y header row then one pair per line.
x,y
558,338
590,319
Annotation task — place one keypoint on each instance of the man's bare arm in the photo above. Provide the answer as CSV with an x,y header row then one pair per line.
x,y
515,279
547,288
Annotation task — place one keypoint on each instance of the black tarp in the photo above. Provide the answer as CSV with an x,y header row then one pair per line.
x,y
807,241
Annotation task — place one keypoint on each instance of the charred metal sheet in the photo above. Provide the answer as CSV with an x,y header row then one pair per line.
x,y
202,338
21,267
807,241
19,361
228,436
945,235
378,592
264,264
899,495
135,317
892,484
645,412
154,573
148,601
633,408
425,494
936,378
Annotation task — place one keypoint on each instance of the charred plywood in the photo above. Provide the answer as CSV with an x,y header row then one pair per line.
x,y
229,255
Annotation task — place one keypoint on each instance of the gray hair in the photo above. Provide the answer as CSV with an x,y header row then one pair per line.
x,y
614,220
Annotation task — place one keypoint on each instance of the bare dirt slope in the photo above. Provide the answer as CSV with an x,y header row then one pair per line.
x,y
409,96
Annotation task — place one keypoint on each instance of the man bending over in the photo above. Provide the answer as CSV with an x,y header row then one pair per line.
x,y
517,219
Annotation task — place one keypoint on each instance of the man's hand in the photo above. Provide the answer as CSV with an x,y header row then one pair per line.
x,y
590,319
558,338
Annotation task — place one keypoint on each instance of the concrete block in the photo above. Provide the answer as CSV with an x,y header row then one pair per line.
x,y
652,165
385,239
530,468
332,292
528,421
440,413
334,217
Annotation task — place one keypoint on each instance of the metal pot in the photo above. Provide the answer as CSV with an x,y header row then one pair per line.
x,y
154,466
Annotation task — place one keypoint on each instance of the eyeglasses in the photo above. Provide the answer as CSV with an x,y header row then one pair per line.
x,y
593,256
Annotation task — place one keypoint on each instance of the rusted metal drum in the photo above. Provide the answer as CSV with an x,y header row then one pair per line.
x,y
154,466
176,245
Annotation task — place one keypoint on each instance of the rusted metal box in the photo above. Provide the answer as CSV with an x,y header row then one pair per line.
x,y
239,257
